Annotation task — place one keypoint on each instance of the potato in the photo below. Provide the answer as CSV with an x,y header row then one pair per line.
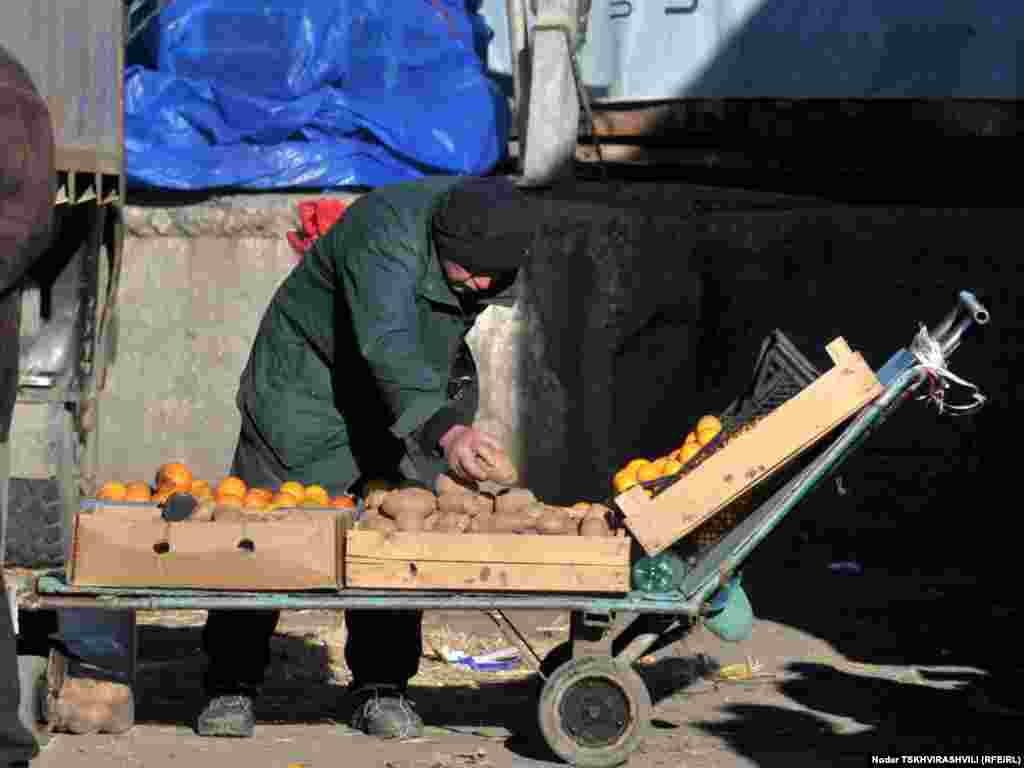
x,y
481,524
409,519
513,499
375,498
452,522
594,526
448,484
471,504
511,522
380,523
430,522
554,522
408,501
498,465
534,511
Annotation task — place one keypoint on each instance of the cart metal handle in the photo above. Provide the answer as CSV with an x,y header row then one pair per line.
x,y
968,311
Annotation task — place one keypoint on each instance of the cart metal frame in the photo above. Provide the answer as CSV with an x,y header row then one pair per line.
x,y
593,706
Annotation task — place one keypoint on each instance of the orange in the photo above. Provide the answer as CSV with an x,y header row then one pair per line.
x,y
293,488
257,497
201,489
282,499
230,500
707,428
317,494
688,451
624,480
692,438
138,492
647,472
343,502
231,486
254,500
671,467
112,491
177,473
674,456
635,464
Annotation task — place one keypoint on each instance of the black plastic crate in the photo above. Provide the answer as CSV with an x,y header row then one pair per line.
x,y
781,372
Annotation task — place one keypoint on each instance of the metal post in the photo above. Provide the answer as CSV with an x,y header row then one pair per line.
x,y
552,122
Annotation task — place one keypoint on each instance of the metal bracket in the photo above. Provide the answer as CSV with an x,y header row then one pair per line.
x,y
514,636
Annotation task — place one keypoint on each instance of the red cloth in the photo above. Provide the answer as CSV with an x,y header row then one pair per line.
x,y
316,217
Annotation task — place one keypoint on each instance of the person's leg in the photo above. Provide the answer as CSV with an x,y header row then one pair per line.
x,y
16,743
237,643
383,652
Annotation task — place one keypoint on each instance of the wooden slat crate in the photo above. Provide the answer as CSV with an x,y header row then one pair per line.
x,y
752,456
486,562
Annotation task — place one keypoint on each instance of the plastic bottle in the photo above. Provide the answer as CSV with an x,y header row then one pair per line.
x,y
659,574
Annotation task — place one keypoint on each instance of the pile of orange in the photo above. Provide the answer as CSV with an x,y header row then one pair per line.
x,y
176,477
644,470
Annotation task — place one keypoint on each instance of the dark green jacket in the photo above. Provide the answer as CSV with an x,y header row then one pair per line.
x,y
358,340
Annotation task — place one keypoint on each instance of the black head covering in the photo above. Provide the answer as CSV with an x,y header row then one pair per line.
x,y
486,226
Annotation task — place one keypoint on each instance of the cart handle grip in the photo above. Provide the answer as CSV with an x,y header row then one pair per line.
x,y
974,313
974,307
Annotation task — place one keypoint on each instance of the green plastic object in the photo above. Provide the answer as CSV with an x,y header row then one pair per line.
x,y
659,574
734,621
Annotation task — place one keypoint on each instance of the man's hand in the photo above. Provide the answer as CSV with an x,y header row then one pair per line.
x,y
460,445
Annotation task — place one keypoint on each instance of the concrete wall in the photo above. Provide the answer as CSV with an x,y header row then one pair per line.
x,y
195,283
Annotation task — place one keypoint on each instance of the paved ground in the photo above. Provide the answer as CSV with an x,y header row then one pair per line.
x,y
853,665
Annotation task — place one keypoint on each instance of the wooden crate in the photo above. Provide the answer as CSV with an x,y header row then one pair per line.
x,y
486,562
752,456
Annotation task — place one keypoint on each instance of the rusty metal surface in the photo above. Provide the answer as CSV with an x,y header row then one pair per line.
x,y
73,49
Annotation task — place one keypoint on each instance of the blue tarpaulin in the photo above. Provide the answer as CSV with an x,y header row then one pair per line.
x,y
272,94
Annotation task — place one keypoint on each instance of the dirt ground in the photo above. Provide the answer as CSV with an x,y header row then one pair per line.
x,y
852,665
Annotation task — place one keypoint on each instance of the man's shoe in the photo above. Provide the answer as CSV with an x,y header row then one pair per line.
x,y
227,715
385,712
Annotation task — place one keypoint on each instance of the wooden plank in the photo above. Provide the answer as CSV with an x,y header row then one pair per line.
x,y
500,577
750,457
838,350
488,548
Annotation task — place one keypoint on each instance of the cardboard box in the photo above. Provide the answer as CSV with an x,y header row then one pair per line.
x,y
752,456
486,562
130,545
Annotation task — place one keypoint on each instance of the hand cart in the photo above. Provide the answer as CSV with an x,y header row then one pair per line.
x,y
594,707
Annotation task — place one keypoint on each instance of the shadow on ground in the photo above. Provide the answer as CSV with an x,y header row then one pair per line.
x,y
301,689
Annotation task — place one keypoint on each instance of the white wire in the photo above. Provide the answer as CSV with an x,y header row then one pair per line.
x,y
929,354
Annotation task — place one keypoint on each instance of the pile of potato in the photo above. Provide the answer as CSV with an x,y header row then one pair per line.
x,y
458,508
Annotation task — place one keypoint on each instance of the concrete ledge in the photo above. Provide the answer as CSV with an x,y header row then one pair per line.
x,y
267,216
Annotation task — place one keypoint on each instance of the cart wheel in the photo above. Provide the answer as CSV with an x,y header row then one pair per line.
x,y
593,712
